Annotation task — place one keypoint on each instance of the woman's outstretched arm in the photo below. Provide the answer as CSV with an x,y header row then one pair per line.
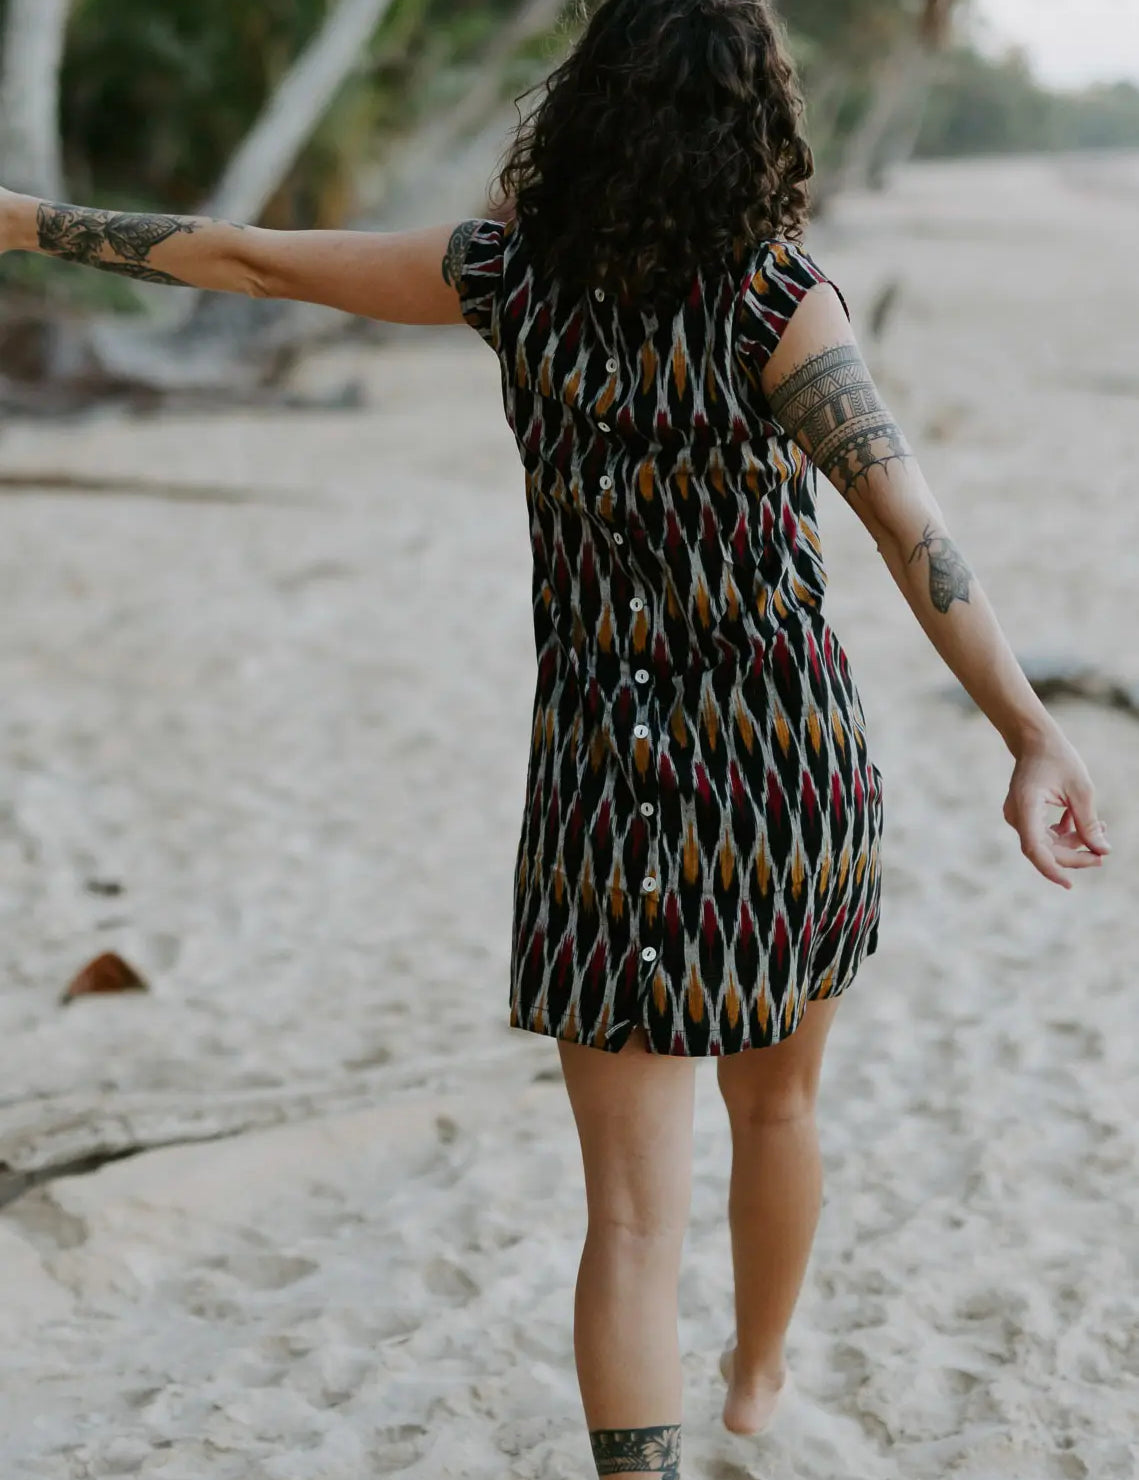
x,y
405,277
820,391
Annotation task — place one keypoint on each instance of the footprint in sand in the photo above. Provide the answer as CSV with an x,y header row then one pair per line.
x,y
726,1469
266,1271
1080,1040
397,1448
450,1281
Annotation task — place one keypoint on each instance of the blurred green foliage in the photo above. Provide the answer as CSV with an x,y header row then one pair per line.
x,y
982,106
158,96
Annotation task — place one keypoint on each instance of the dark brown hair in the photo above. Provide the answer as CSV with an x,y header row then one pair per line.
x,y
669,138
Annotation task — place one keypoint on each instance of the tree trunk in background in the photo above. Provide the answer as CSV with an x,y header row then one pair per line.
x,y
934,25
889,131
434,169
34,35
294,111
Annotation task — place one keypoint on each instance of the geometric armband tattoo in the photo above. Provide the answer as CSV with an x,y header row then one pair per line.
x,y
831,406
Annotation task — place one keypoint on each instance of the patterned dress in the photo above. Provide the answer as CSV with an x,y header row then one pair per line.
x,y
700,841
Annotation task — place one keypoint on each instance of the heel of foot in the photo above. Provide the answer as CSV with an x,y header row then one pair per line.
x,y
750,1414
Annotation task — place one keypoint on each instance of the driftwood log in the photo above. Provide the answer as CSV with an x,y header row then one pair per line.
x,y
42,1139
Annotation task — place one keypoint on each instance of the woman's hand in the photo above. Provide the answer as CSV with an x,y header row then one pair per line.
x,y
1050,773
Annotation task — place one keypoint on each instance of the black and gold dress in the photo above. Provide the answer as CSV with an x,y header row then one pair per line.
x,y
700,840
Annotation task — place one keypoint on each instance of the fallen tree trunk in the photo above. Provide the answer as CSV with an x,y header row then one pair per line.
x,y
43,1140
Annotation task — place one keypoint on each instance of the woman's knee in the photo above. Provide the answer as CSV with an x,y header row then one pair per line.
x,y
637,1196
771,1106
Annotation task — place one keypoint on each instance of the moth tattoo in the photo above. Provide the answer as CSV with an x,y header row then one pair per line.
x,y
949,573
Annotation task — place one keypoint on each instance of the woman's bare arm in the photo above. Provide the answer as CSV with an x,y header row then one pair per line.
x,y
406,277
821,392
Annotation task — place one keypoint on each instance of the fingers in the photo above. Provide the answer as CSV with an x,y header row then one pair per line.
x,y
1053,850
1081,809
1068,857
1038,853
1054,776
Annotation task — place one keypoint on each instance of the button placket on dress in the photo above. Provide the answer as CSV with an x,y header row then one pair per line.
x,y
645,730
642,730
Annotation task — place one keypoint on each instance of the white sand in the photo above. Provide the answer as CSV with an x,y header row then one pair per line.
x,y
295,730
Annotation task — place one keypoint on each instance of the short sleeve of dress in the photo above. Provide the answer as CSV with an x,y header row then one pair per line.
x,y
480,279
779,278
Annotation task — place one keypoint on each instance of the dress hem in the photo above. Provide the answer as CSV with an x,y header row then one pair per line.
x,y
616,1043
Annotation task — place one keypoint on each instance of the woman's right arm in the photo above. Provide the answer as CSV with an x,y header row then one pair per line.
x,y
821,392
406,277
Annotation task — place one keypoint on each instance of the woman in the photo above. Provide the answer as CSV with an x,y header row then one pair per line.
x,y
698,871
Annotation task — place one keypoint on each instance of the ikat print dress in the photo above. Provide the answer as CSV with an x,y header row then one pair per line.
x,y
700,839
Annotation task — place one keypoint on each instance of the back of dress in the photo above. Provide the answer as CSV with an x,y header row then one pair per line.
x,y
699,847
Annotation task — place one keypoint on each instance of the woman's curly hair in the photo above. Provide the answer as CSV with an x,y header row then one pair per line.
x,y
670,138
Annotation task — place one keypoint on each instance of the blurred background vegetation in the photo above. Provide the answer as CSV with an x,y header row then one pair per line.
x,y
386,112
153,101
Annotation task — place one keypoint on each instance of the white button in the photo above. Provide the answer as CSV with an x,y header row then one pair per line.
x,y
611,364
642,675
605,481
649,953
603,426
599,294
641,732
618,537
647,809
636,604
648,883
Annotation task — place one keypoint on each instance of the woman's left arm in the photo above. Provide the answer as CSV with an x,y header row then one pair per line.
x,y
405,277
820,391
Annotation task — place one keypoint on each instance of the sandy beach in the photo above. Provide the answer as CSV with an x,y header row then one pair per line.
x,y
264,733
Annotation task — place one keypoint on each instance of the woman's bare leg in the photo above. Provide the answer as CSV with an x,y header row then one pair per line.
x,y
773,1203
633,1111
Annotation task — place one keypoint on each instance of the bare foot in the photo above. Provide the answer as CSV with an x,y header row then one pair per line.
x,y
749,1410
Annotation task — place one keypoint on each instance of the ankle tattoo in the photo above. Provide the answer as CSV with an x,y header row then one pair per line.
x,y
652,1451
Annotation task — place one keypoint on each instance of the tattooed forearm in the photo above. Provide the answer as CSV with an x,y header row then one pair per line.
x,y
949,573
653,1451
113,241
831,406
456,252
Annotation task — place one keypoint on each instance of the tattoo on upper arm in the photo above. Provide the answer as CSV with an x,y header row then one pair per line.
x,y
949,573
456,252
652,1451
831,405
77,234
